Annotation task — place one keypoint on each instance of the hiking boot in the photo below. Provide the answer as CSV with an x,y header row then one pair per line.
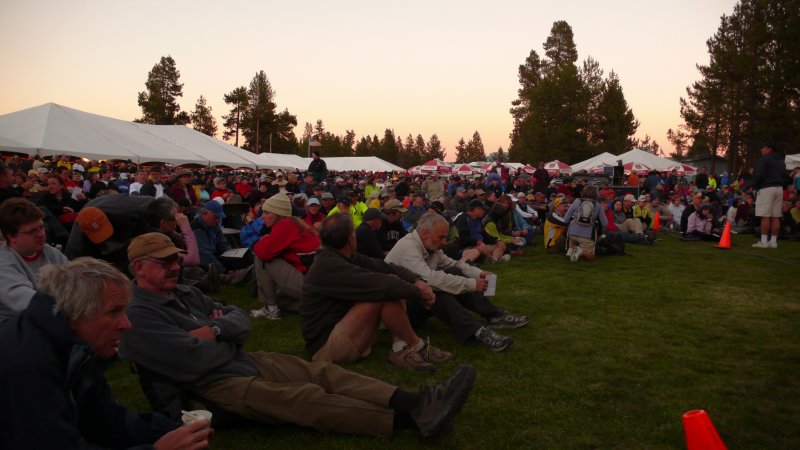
x,y
213,278
441,403
760,244
508,320
270,312
407,358
576,254
238,276
504,259
433,354
496,342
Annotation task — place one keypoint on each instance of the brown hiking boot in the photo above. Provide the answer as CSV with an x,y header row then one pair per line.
x,y
433,354
407,358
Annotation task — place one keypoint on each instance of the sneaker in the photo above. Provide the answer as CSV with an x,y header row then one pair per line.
x,y
504,259
760,244
508,320
407,358
570,251
213,278
495,342
441,403
772,244
270,312
433,354
576,254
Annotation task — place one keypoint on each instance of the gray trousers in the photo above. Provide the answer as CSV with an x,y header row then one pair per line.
x,y
279,284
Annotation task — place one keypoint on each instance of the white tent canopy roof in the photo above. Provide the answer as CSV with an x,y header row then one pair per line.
x,y
792,161
368,163
593,161
216,152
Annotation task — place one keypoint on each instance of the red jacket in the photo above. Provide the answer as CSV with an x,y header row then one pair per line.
x,y
288,241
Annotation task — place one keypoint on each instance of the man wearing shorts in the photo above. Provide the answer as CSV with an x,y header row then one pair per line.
x,y
346,295
581,240
769,179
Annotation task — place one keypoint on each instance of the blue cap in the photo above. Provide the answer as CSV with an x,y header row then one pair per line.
x,y
214,207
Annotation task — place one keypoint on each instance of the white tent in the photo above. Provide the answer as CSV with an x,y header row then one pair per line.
x,y
216,152
792,161
52,129
592,162
282,161
368,163
642,157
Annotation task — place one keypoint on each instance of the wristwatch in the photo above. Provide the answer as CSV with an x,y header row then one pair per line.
x,y
216,330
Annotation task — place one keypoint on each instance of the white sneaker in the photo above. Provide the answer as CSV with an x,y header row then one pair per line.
x,y
772,244
576,254
570,251
505,258
760,244
270,312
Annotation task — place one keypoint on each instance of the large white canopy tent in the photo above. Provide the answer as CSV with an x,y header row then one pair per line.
x,y
216,152
52,129
592,162
632,156
368,163
792,161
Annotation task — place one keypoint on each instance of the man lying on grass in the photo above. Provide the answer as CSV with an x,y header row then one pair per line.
x,y
196,344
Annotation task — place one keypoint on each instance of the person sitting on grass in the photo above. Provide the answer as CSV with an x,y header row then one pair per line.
x,y
581,218
470,234
194,344
459,286
492,225
346,295
555,228
282,257
700,224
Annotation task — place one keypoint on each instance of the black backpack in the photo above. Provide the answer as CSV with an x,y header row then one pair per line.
x,y
613,244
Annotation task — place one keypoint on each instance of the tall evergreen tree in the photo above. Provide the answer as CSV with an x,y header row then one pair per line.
x,y
474,150
262,127
389,150
616,124
748,92
434,149
202,119
237,99
461,152
159,102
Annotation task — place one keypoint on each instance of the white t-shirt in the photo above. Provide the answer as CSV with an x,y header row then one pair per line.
x,y
134,187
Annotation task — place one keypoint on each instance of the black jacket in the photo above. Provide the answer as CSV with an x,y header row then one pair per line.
x,y
55,394
770,172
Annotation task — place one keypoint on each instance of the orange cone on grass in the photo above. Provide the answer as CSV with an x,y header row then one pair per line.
x,y
657,222
725,240
700,432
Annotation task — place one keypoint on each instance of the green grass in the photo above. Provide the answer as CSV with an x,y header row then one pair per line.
x,y
615,353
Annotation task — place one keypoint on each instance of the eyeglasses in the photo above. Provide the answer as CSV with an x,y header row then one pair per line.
x,y
32,232
168,261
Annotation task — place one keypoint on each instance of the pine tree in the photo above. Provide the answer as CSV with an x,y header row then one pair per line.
x,y
474,150
434,149
616,124
159,102
237,99
202,119
262,125
461,152
389,150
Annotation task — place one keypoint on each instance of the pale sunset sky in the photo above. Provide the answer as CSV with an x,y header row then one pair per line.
x,y
420,67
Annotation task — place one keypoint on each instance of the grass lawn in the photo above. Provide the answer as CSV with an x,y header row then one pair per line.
x,y
615,353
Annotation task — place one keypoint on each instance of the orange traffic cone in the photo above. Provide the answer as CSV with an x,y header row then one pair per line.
x,y
725,240
657,222
700,432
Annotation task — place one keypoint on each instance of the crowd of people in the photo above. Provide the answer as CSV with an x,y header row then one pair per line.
x,y
352,253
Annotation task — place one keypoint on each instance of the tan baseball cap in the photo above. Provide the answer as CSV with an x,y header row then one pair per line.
x,y
395,205
154,245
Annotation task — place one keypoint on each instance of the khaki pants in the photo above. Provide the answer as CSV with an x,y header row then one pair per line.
x,y
631,226
318,395
278,274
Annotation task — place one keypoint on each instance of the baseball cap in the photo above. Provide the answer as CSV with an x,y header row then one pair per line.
x,y
313,201
95,224
629,198
327,195
395,205
372,214
642,198
215,207
154,245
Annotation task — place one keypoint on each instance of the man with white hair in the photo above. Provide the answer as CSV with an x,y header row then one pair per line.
x,y
458,286
51,368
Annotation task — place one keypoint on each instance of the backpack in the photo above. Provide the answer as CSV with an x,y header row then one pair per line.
x,y
584,215
613,244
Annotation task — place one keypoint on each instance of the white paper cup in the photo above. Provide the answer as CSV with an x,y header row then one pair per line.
x,y
189,418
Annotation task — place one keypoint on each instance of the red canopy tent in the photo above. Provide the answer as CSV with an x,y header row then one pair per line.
x,y
638,168
436,165
464,170
557,167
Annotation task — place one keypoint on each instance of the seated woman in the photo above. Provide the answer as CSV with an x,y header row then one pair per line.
x,y
282,258
491,228
624,223
701,224
59,201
